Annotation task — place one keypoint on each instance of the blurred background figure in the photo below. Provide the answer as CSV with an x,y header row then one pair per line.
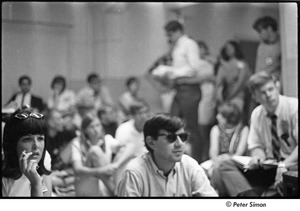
x,y
91,156
59,138
268,57
63,100
108,116
131,139
131,96
163,85
94,96
232,75
207,104
25,97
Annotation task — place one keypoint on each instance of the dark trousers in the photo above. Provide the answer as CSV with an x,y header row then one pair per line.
x,y
185,106
229,180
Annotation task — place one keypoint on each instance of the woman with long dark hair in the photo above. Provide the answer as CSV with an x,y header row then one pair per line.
x,y
24,147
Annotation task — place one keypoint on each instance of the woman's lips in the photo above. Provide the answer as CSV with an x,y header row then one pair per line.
x,y
34,155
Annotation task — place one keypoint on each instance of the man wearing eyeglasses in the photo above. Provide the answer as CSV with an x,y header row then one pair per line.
x,y
165,171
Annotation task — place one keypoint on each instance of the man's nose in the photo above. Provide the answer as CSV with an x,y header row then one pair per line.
x,y
178,141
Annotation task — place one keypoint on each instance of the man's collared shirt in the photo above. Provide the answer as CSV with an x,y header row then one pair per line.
x,y
26,101
143,178
186,57
287,127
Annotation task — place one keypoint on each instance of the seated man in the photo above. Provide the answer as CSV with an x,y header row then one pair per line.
x,y
25,97
273,135
165,170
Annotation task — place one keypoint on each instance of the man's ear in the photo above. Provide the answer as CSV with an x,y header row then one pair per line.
x,y
151,142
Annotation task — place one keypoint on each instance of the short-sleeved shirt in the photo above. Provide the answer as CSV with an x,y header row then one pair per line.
x,y
268,58
287,127
143,178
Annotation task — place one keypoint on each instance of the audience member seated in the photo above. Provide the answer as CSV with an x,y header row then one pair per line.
x,y
130,96
25,97
109,119
59,138
130,137
165,170
63,100
273,136
232,75
91,156
228,137
25,167
95,95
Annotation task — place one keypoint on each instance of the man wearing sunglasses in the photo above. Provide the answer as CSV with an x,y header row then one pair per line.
x,y
164,171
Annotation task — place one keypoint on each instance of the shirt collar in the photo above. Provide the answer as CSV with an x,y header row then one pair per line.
x,y
183,37
157,170
277,108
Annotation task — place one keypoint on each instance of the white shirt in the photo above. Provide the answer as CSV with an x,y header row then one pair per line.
x,y
128,136
186,58
27,99
287,122
143,178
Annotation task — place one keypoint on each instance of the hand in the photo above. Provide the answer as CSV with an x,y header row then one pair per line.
x,y
29,168
278,178
254,163
108,170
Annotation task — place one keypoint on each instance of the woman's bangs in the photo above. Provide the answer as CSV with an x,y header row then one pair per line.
x,y
32,126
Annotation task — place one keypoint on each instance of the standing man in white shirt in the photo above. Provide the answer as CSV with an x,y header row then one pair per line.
x,y
187,72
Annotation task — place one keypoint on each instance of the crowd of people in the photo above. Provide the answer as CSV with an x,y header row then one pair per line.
x,y
86,144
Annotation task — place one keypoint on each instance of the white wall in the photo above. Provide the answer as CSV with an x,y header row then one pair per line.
x,y
289,45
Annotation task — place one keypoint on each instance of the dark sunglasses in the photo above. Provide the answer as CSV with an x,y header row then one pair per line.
x,y
172,137
26,115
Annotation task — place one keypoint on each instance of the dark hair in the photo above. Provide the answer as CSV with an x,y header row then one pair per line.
x,y
259,79
237,50
25,77
131,80
173,26
265,22
161,121
59,79
135,108
14,129
230,112
202,44
92,77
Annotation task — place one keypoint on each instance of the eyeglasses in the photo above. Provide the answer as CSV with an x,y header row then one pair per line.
x,y
26,115
172,137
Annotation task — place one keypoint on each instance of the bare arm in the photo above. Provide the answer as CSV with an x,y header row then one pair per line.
x,y
127,153
214,142
48,183
242,147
